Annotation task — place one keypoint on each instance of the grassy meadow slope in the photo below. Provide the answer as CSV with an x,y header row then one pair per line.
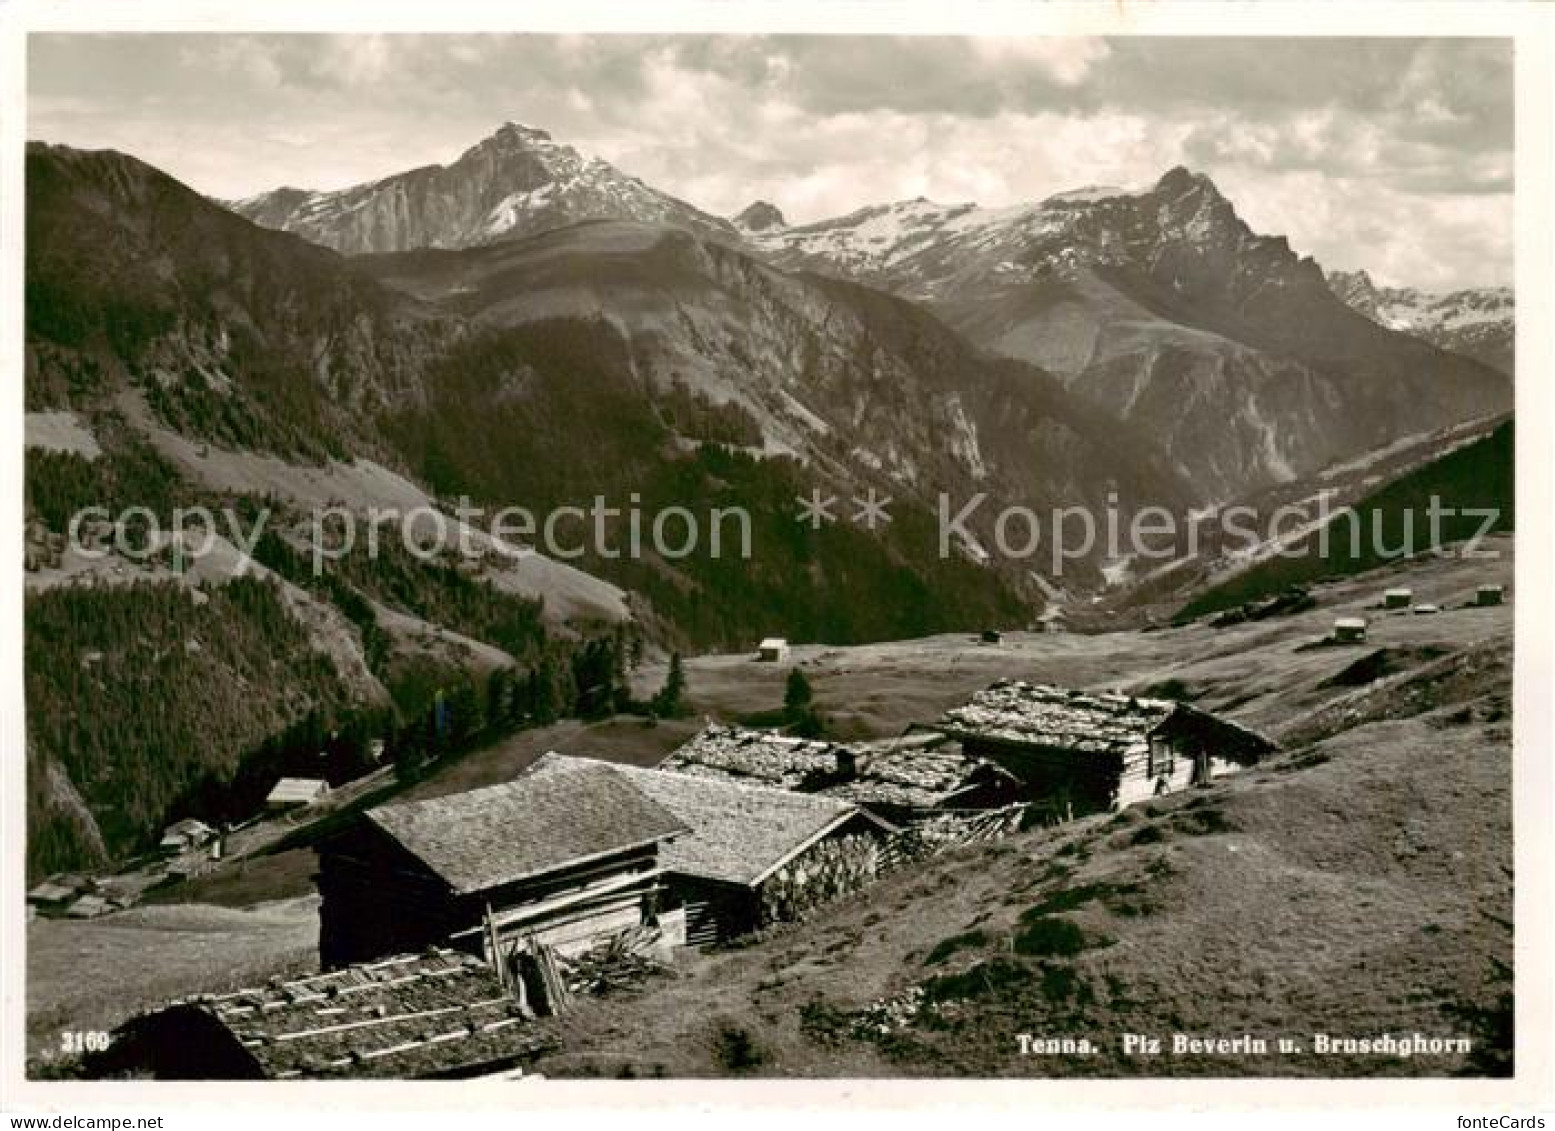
x,y
1357,883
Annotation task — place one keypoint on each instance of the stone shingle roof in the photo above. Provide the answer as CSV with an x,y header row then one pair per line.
x,y
1043,715
739,833
917,770
429,1014
756,756
1027,714
489,837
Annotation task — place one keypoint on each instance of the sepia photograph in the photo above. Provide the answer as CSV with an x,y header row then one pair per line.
x,y
759,554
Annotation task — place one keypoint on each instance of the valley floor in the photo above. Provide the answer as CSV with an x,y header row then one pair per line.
x,y
1359,884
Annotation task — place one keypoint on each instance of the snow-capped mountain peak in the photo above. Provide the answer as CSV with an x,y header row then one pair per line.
x,y
920,247
516,182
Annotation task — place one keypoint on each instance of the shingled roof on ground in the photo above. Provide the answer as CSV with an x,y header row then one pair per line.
x,y
503,833
739,833
442,1013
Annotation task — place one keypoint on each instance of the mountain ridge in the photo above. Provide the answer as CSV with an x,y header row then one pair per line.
x,y
1477,322
516,182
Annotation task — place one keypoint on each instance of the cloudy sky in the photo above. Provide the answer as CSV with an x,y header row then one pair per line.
x,y
1389,154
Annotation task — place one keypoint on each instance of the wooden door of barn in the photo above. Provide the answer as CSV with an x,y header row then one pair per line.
x,y
701,923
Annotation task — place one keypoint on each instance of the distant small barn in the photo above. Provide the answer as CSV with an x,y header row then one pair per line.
x,y
186,834
1350,630
1489,595
567,858
752,855
296,793
1399,598
438,1014
772,650
56,893
1075,752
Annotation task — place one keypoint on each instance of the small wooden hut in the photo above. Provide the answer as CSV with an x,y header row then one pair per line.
x,y
296,793
1350,630
1076,752
567,858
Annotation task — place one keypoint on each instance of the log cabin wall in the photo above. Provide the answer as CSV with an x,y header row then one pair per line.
x,y
378,899
1067,782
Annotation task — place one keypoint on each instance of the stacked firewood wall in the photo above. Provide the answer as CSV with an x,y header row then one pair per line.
x,y
830,869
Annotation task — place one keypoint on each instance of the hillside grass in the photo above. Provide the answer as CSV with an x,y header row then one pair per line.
x,y
1359,882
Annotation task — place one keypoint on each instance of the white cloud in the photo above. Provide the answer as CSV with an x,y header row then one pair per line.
x,y
1066,61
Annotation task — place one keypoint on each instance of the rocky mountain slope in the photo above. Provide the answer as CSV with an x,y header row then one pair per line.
x,y
1159,306
1347,885
855,385
1164,308
514,183
1478,322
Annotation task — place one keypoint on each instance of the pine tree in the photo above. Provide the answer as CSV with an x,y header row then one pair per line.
x,y
548,694
670,702
467,716
797,695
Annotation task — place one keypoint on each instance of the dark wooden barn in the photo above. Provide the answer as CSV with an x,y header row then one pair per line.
x,y
1077,752
753,855
442,1014
566,858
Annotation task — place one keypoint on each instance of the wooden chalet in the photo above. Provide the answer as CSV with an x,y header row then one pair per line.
x,y
566,858
184,835
56,893
753,855
439,1014
1077,752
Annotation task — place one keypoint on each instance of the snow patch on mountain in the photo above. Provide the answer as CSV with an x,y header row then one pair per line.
x,y
1479,322
519,181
